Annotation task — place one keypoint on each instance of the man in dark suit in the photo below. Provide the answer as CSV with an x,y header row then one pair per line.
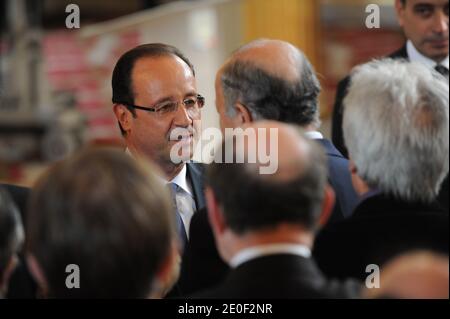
x,y
264,222
425,24
396,127
157,106
249,88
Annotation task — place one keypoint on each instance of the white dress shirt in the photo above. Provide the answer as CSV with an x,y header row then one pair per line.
x,y
182,182
314,135
264,250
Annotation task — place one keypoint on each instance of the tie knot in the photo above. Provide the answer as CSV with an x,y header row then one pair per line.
x,y
442,70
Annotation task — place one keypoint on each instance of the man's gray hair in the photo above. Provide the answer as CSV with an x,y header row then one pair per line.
x,y
396,128
271,97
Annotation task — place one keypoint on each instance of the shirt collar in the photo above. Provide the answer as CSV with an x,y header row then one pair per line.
x,y
314,135
181,180
259,251
416,56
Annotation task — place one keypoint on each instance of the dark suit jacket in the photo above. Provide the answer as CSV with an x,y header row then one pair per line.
x,y
203,267
337,134
195,173
341,181
280,276
380,228
21,284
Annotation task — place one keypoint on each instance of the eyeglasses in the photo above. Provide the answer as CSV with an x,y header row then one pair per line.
x,y
191,104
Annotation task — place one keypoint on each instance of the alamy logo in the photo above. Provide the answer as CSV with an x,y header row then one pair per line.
x,y
373,279
373,19
73,19
248,145
73,279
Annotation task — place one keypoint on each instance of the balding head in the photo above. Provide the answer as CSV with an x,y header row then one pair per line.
x,y
253,201
273,80
264,52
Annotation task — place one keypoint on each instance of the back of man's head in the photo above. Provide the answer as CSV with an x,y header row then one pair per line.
x,y
396,128
106,214
274,80
11,236
252,201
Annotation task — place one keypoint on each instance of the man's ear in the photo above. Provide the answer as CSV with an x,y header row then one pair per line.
x,y
329,200
243,115
215,215
123,116
38,275
359,185
400,10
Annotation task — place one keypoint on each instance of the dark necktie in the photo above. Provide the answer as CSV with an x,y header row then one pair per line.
x,y
178,201
442,70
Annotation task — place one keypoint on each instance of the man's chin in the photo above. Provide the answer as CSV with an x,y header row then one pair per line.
x,y
181,151
437,52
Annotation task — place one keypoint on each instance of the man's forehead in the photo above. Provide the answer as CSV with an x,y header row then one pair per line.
x,y
162,77
161,63
438,3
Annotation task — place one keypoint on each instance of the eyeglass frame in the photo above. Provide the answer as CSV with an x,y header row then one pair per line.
x,y
155,108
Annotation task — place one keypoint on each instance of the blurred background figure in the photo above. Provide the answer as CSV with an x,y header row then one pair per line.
x,y
425,25
11,239
109,216
416,275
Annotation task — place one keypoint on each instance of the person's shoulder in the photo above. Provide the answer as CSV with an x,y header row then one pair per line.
x,y
401,53
330,148
200,219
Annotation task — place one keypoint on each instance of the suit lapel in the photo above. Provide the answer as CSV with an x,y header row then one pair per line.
x,y
195,174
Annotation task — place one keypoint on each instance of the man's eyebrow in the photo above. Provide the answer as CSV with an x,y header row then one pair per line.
x,y
423,5
171,98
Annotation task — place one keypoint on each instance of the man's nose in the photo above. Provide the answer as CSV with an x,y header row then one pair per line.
x,y
440,23
182,117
